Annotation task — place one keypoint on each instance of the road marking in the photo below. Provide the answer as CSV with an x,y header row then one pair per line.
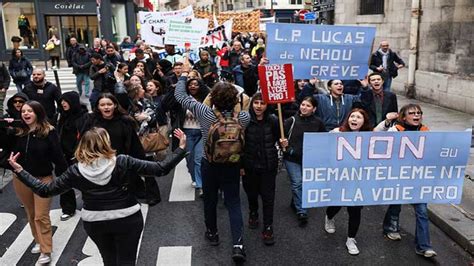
x,y
21,244
63,233
174,256
181,189
6,220
90,248
16,250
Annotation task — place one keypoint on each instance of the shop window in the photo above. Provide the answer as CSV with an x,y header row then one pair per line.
x,y
371,7
19,19
119,22
296,2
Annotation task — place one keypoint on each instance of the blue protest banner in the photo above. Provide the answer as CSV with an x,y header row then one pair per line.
x,y
322,51
379,168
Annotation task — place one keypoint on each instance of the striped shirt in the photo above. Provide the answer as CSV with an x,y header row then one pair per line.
x,y
203,113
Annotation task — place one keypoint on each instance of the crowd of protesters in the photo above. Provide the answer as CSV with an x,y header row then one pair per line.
x,y
135,92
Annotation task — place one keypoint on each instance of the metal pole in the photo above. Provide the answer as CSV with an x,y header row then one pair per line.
x,y
56,77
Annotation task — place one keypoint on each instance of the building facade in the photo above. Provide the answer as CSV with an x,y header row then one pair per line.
x,y
443,50
35,21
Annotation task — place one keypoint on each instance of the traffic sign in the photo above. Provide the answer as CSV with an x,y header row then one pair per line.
x,y
301,13
310,16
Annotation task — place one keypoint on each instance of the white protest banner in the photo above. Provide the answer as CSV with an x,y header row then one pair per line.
x,y
153,25
219,35
186,30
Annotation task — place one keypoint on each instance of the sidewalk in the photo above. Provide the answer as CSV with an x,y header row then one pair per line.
x,y
457,221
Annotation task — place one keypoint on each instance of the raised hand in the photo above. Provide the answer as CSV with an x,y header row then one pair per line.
x,y
12,161
179,134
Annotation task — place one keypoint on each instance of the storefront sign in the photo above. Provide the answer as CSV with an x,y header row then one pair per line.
x,y
68,7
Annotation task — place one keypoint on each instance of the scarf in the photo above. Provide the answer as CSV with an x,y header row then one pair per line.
x,y
384,58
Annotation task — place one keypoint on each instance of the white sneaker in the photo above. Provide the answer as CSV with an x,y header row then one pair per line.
x,y
330,225
66,217
193,184
36,249
394,236
44,258
429,253
351,246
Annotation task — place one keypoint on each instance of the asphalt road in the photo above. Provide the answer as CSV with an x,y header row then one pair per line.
x,y
180,224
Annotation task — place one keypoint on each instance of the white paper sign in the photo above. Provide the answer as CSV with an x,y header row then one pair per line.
x,y
186,30
153,25
219,35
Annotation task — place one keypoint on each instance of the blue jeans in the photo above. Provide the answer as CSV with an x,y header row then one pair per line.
x,y
391,224
387,83
295,171
227,178
195,148
82,77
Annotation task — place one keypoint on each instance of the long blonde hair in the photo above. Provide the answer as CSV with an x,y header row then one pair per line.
x,y
94,144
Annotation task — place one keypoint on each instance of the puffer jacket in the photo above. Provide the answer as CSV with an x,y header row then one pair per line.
x,y
260,138
114,194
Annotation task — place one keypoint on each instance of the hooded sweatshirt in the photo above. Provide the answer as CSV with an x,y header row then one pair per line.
x,y
11,111
70,123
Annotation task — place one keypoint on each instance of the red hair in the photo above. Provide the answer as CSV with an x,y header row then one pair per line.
x,y
365,127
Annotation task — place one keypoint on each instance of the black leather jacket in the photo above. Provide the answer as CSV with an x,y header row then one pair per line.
x,y
115,194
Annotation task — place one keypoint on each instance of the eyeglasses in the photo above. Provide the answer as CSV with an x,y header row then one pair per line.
x,y
416,113
18,101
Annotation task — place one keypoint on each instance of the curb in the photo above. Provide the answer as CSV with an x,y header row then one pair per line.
x,y
448,219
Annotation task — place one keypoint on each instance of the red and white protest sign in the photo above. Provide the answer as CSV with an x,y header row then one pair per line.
x,y
276,83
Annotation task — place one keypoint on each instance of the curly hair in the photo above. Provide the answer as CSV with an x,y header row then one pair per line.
x,y
224,96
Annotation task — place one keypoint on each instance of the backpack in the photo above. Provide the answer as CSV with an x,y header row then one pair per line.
x,y
225,139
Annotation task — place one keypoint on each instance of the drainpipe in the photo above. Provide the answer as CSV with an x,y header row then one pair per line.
x,y
410,89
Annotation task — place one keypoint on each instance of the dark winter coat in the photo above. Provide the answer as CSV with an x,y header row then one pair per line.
x,y
81,63
294,151
4,77
377,60
70,124
206,68
246,78
37,154
103,82
389,104
70,52
122,132
48,95
260,139
16,65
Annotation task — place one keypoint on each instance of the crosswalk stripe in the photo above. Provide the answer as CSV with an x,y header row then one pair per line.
x,y
6,220
174,256
90,248
63,233
181,189
13,254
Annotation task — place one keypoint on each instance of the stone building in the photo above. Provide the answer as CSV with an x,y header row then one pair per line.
x,y
444,72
